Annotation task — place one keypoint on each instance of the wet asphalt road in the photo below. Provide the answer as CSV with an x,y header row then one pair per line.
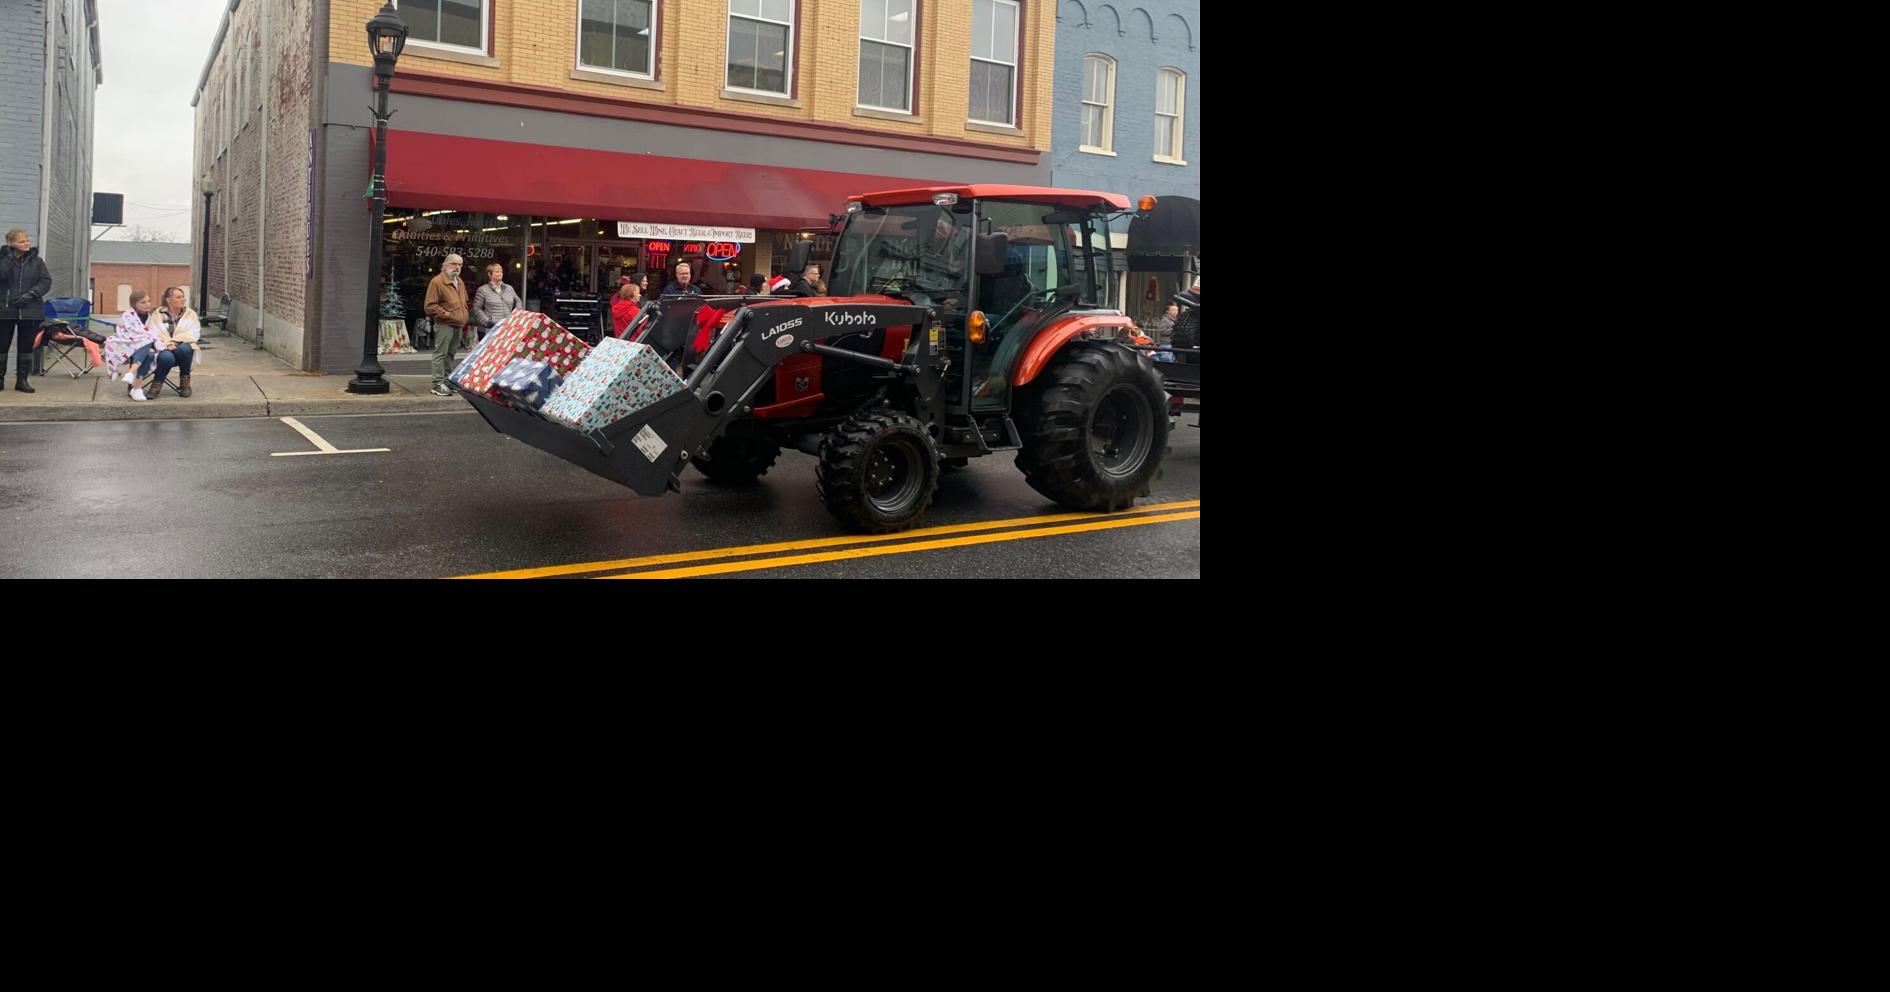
x,y
205,498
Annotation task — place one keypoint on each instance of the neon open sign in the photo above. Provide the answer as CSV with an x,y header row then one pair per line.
x,y
722,251
657,247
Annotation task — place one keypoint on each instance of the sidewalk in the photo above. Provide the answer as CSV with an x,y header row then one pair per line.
x,y
236,381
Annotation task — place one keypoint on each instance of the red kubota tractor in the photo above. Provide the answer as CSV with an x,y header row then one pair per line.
x,y
962,321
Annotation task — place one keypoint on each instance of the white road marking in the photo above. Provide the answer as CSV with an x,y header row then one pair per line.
x,y
319,442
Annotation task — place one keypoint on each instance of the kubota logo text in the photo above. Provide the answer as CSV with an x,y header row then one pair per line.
x,y
850,319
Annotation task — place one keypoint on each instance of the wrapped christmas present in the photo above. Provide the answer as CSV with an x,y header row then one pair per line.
x,y
527,384
617,379
524,334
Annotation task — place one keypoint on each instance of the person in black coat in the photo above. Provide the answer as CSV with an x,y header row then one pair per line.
x,y
24,283
808,284
684,282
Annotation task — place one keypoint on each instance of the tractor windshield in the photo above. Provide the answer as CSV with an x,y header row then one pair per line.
x,y
1041,245
901,250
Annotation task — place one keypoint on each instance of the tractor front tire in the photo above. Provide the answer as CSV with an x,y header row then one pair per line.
x,y
878,471
1095,427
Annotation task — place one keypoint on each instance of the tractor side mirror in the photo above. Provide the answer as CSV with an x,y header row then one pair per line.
x,y
797,258
993,249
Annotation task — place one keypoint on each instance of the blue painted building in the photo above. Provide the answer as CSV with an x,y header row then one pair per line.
x,y
1126,119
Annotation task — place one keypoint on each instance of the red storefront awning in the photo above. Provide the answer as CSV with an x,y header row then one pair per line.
x,y
447,172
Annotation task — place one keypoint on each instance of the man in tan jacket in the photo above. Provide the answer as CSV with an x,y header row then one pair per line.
x,y
447,307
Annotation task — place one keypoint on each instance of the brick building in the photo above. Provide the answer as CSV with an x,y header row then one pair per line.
x,y
120,268
573,141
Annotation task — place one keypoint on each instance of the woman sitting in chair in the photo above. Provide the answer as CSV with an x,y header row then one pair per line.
x,y
178,331
134,340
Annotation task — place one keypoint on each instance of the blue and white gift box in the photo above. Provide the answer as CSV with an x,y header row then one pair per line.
x,y
527,384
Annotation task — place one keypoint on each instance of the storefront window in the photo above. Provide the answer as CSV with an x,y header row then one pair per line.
x,y
417,243
718,266
579,258
615,261
546,259
563,269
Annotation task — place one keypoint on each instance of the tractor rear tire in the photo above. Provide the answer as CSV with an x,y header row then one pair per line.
x,y
1094,426
737,460
878,471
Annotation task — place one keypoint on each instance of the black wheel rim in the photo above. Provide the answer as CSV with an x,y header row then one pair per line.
x,y
1121,433
893,475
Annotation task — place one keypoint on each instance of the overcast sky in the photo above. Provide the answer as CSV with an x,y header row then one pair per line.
x,y
153,51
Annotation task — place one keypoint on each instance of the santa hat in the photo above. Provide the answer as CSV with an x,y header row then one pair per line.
x,y
777,284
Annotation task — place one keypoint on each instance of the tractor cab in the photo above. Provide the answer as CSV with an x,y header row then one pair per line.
x,y
1000,263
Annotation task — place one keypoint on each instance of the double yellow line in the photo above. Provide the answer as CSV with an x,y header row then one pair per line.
x,y
915,540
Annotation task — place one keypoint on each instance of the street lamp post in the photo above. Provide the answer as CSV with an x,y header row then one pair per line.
x,y
387,35
203,274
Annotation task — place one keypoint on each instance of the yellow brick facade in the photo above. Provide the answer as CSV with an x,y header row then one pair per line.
x,y
535,44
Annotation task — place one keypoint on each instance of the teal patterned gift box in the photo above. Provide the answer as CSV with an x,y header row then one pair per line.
x,y
615,380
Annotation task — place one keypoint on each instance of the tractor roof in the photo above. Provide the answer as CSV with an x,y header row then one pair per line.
x,y
1079,198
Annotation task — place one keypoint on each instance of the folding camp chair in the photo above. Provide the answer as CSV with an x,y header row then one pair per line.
x,y
67,330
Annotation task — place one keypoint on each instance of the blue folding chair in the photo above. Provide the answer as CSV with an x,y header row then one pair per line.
x,y
67,329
